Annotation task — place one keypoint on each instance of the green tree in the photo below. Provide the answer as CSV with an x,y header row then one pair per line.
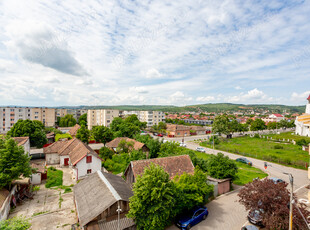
x,y
15,223
31,129
272,125
67,121
220,125
192,190
83,134
133,119
221,167
258,124
117,121
83,119
105,153
52,129
283,124
154,147
63,136
102,134
162,125
153,205
127,130
13,162
125,146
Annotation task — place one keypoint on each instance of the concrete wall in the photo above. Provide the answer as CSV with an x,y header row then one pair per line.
x,y
52,159
62,160
5,209
35,178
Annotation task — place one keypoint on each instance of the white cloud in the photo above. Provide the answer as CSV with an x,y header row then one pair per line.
x,y
205,99
238,88
139,89
153,74
300,98
252,96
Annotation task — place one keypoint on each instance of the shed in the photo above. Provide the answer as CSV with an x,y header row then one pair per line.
x,y
221,186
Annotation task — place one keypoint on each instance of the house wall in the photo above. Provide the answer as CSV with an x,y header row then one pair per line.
x,y
35,178
62,160
129,177
82,166
27,147
223,187
215,188
5,209
52,158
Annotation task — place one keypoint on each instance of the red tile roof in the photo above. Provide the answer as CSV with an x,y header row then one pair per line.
x,y
175,165
114,143
80,151
68,147
308,97
277,115
21,140
74,130
55,147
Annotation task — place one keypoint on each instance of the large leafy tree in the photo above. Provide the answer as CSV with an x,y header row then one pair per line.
x,y
32,129
117,121
258,124
102,134
105,153
67,121
221,167
83,119
192,190
13,162
272,125
273,199
153,204
220,125
127,130
83,134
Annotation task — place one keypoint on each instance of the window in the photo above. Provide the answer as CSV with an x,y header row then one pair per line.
x,y
12,110
88,159
36,117
36,112
88,171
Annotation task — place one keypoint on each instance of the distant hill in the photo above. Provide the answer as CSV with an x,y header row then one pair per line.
x,y
218,107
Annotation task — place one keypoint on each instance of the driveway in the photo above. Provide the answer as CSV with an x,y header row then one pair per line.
x,y
225,213
46,210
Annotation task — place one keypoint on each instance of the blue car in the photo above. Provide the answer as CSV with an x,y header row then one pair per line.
x,y
189,219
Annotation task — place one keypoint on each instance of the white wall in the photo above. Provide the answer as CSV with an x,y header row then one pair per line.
x,y
62,160
35,178
27,147
52,158
82,166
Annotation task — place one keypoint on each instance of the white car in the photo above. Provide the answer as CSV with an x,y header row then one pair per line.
x,y
200,149
182,144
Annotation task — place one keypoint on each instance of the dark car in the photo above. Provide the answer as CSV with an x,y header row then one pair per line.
x,y
191,218
255,217
244,160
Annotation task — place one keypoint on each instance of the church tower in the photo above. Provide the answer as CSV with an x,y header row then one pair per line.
x,y
308,106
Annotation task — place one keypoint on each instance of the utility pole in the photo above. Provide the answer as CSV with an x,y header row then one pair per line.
x,y
118,215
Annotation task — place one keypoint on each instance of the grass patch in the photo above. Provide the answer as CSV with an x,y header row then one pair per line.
x,y
60,200
67,190
288,135
245,173
39,213
54,177
261,148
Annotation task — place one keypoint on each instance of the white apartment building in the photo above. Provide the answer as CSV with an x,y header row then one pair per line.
x,y
150,117
101,117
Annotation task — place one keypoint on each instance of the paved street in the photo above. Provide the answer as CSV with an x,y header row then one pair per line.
x,y
225,212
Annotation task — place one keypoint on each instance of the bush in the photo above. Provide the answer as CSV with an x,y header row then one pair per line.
x,y
54,177
63,136
302,142
67,190
16,223
221,167
256,136
278,147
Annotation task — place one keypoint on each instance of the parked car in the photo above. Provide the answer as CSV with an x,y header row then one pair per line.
x,y
200,149
255,217
182,144
249,227
192,217
160,135
155,134
276,180
244,160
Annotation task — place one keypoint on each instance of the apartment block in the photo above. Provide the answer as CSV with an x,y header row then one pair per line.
x,y
150,117
61,112
45,115
101,117
9,116
76,112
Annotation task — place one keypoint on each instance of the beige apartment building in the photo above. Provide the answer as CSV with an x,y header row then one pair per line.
x,y
10,115
150,117
45,115
101,117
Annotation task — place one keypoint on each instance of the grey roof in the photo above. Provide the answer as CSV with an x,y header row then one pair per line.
x,y
97,192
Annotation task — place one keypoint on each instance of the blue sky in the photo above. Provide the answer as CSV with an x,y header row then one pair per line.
x,y
100,52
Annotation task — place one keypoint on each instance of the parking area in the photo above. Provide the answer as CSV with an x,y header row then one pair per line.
x,y
49,208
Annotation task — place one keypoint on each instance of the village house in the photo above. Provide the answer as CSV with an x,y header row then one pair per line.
x,y
136,144
198,130
276,117
39,174
178,130
99,199
52,155
175,165
25,142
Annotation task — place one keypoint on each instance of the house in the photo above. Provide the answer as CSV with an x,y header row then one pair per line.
x,y
98,198
178,130
136,144
276,117
25,142
198,130
303,122
51,152
74,129
175,165
84,160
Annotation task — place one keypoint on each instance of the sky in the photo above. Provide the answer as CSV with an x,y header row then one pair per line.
x,y
97,52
